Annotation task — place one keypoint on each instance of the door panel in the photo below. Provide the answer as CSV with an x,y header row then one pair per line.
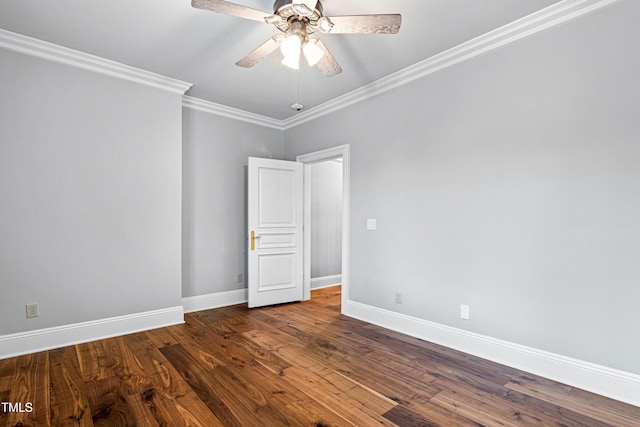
x,y
277,240
276,271
275,231
276,188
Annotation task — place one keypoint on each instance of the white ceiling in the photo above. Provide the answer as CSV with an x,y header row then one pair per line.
x,y
171,38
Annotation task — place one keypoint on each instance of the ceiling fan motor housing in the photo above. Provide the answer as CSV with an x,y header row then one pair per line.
x,y
285,9
281,4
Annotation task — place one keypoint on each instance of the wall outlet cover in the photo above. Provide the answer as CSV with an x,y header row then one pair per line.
x,y
398,297
32,310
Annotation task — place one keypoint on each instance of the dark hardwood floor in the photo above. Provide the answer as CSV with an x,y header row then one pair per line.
x,y
299,364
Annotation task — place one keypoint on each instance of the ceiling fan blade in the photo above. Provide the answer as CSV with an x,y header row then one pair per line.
x,y
366,24
328,64
259,53
228,8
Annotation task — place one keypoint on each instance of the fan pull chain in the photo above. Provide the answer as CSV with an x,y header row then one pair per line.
x,y
297,106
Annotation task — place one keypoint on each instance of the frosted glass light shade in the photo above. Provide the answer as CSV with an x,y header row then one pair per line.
x,y
290,48
292,61
291,45
312,52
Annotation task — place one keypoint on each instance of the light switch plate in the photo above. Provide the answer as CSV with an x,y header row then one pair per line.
x,y
464,311
371,224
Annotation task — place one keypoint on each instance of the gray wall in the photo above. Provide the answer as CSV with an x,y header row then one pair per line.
x,y
510,182
215,151
326,219
90,191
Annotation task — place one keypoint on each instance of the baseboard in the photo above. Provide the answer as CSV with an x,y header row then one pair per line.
x,y
613,383
215,300
325,281
61,336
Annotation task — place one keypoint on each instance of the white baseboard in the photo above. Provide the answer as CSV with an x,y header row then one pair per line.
x,y
60,336
215,300
613,383
325,281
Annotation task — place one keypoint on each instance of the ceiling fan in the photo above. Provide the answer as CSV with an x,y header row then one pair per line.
x,y
299,21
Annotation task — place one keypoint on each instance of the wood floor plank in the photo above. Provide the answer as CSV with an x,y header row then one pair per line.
x,y
240,318
108,402
69,402
200,341
163,337
112,360
478,410
234,403
373,376
200,381
170,401
432,358
570,402
153,409
284,396
427,413
403,416
7,379
556,415
365,409
320,416
620,408
234,346
31,385
7,372
439,352
285,347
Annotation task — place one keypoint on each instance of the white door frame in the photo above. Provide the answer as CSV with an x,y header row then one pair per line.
x,y
342,151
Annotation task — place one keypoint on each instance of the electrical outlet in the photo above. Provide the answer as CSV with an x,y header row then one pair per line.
x,y
32,310
239,278
398,297
464,311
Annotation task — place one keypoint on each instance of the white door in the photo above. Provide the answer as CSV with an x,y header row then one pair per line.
x,y
275,197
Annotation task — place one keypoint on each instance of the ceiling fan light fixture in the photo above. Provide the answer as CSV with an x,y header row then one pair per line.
x,y
312,52
297,20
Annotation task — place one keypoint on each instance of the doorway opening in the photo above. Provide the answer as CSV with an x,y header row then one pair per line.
x,y
326,223
326,220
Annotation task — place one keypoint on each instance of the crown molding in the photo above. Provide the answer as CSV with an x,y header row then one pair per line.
x,y
556,14
52,52
536,22
230,112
